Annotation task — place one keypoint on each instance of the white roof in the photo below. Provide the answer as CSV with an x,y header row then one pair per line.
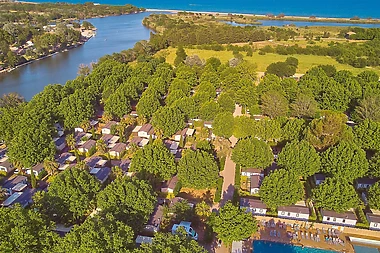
x,y
114,139
5,158
63,167
144,239
136,129
237,247
190,131
94,171
19,187
144,142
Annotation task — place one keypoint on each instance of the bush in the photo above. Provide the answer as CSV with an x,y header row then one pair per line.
x,y
218,193
177,188
237,176
362,222
222,162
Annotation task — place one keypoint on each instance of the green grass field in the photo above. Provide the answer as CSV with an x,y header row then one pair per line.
x,y
306,62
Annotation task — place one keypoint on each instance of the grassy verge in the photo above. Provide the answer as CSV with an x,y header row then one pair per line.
x,y
306,62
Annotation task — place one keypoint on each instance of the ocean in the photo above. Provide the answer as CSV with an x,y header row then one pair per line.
x,y
321,8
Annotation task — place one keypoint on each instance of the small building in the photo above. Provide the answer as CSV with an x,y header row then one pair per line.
x,y
118,149
319,178
95,161
364,183
10,183
59,128
23,198
171,145
254,206
374,220
255,184
5,165
110,139
60,143
81,138
181,134
143,239
146,131
294,212
207,124
139,141
343,219
252,172
87,146
101,174
37,169
107,128
169,185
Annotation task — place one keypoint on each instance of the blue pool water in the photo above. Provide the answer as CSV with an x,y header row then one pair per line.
x,y
362,249
275,247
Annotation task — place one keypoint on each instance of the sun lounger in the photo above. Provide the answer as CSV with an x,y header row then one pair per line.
x,y
302,235
307,235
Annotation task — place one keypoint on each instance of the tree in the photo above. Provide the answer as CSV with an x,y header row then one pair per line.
x,y
168,243
367,135
154,159
128,200
198,169
335,194
25,231
209,110
223,125
281,188
300,157
70,197
101,146
12,99
281,69
226,102
97,234
117,104
180,56
251,152
345,160
374,196
368,108
243,127
148,104
304,106
202,210
374,165
169,120
327,130
293,129
187,106
233,224
292,61
51,167
274,104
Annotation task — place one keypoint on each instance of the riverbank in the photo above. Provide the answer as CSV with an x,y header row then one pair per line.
x,y
284,18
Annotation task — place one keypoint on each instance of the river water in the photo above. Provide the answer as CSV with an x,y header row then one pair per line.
x,y
114,34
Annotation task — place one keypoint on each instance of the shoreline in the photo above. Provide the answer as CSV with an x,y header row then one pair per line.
x,y
8,70
285,18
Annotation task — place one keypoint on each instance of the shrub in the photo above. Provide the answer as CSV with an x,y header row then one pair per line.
x,y
218,193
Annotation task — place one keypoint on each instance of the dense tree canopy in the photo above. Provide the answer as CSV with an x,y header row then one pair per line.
x,y
169,120
223,125
367,135
374,165
368,108
233,224
154,159
25,231
345,160
274,104
300,157
70,197
374,196
251,152
198,169
281,188
335,194
97,234
128,200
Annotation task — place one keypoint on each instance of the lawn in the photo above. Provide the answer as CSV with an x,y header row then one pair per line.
x,y
306,62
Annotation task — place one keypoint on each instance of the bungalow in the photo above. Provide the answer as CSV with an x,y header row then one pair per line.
x,y
64,160
252,172
146,131
364,183
155,219
60,143
81,138
107,128
319,178
23,198
37,169
5,165
118,149
294,212
207,124
78,130
94,123
169,185
9,184
171,145
344,219
95,161
374,221
87,146
139,141
183,133
143,239
110,139
254,206
101,174
255,184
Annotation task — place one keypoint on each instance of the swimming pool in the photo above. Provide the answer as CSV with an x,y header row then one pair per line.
x,y
275,247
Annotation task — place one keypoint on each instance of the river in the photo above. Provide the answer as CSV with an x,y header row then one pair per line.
x,y
114,34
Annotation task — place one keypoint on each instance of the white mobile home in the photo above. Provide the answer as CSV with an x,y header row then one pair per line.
x,y
294,212
254,206
343,219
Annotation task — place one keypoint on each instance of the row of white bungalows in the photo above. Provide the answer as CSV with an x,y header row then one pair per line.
x,y
302,212
373,218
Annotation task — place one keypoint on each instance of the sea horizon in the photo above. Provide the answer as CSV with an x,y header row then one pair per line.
x,y
323,8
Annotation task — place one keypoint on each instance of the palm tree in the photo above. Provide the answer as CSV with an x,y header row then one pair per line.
x,y
85,125
51,167
101,146
70,140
